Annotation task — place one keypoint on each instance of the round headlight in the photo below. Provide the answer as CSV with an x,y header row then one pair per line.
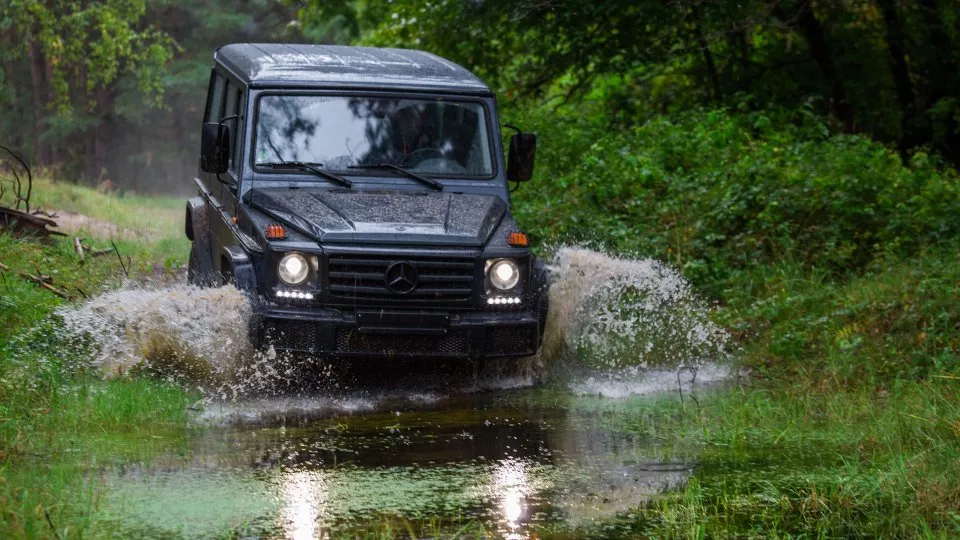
x,y
293,269
504,274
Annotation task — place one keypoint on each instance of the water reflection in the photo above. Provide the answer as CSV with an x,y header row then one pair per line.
x,y
510,482
510,463
304,495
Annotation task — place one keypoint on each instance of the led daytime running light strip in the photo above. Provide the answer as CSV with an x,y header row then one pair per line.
x,y
503,300
295,294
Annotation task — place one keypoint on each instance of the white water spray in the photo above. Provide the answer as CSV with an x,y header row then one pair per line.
x,y
180,330
621,326
616,326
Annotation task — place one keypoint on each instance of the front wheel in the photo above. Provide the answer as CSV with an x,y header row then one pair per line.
x,y
196,273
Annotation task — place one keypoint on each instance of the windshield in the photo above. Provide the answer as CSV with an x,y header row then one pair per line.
x,y
429,136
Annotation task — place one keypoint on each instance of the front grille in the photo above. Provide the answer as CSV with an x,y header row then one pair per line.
x,y
511,340
361,280
292,335
353,341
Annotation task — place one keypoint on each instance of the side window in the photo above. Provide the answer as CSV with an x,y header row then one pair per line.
x,y
234,107
215,99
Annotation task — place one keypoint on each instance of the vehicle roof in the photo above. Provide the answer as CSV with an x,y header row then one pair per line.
x,y
292,65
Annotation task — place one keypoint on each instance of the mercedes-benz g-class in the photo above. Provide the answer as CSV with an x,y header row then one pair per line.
x,y
360,197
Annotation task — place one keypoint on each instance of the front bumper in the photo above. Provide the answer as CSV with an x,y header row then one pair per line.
x,y
397,333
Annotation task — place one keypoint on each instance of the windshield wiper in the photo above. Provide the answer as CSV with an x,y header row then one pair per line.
x,y
312,167
407,172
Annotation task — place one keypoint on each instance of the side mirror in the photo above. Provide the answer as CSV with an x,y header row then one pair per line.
x,y
523,150
214,147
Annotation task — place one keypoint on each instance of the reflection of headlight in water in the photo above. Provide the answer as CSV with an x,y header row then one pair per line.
x,y
513,507
303,494
510,484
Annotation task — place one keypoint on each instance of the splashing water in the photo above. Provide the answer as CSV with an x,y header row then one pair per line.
x,y
616,327
200,334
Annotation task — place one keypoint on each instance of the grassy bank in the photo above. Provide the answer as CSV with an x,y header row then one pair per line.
x,y
834,266
788,462
148,228
51,409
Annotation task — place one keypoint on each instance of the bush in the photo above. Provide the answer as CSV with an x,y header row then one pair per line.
x,y
896,321
714,192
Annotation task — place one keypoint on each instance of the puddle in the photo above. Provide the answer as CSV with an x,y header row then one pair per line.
x,y
399,445
510,460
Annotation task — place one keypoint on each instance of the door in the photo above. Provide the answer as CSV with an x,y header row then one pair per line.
x,y
225,105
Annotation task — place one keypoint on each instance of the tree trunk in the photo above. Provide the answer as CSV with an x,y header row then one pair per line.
x,y
743,76
38,77
943,75
16,139
901,74
812,31
707,55
101,136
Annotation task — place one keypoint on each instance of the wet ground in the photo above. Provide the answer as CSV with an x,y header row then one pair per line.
x,y
510,461
388,449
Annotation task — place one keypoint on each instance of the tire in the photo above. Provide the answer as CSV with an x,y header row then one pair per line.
x,y
196,274
192,278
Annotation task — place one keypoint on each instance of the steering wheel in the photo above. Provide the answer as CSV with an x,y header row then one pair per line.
x,y
423,154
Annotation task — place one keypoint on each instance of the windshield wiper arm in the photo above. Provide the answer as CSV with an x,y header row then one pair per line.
x,y
407,172
312,167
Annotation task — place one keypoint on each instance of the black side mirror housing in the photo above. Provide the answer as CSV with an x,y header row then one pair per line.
x,y
214,147
523,151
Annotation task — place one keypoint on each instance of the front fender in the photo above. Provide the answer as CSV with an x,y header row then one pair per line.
x,y
238,264
197,229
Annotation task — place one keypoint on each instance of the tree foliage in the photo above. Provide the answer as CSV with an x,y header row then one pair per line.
x,y
113,90
881,67
61,60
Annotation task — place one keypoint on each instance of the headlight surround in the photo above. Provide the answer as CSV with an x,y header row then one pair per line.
x,y
504,274
293,269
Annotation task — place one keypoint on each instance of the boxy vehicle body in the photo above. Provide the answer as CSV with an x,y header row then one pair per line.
x,y
360,198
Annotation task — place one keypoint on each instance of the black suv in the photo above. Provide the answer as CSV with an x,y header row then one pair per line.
x,y
360,197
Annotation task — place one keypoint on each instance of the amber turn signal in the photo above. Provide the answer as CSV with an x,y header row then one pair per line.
x,y
518,239
276,232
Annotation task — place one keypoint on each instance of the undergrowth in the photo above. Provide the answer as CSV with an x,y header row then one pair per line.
x,y
53,410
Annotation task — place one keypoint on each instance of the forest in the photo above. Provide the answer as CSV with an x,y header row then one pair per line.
x,y
109,91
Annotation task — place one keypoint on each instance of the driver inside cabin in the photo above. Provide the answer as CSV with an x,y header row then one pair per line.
x,y
438,137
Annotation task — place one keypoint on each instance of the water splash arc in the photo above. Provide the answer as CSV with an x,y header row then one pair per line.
x,y
620,320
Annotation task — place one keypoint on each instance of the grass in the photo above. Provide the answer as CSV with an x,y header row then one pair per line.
x,y
52,410
898,321
148,228
788,462
845,464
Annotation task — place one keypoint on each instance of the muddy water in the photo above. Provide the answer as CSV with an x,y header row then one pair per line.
x,y
511,461
394,445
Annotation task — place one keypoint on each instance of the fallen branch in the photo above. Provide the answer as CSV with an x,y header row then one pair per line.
x,y
38,280
42,212
24,224
52,526
18,185
125,271
78,247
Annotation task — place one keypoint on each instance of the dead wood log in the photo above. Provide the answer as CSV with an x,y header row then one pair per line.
x,y
25,224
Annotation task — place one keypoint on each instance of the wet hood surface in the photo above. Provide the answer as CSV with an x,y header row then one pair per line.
x,y
399,217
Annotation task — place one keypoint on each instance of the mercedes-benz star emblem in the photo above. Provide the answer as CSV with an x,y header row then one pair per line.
x,y
401,277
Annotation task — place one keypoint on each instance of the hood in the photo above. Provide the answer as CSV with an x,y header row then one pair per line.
x,y
396,217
